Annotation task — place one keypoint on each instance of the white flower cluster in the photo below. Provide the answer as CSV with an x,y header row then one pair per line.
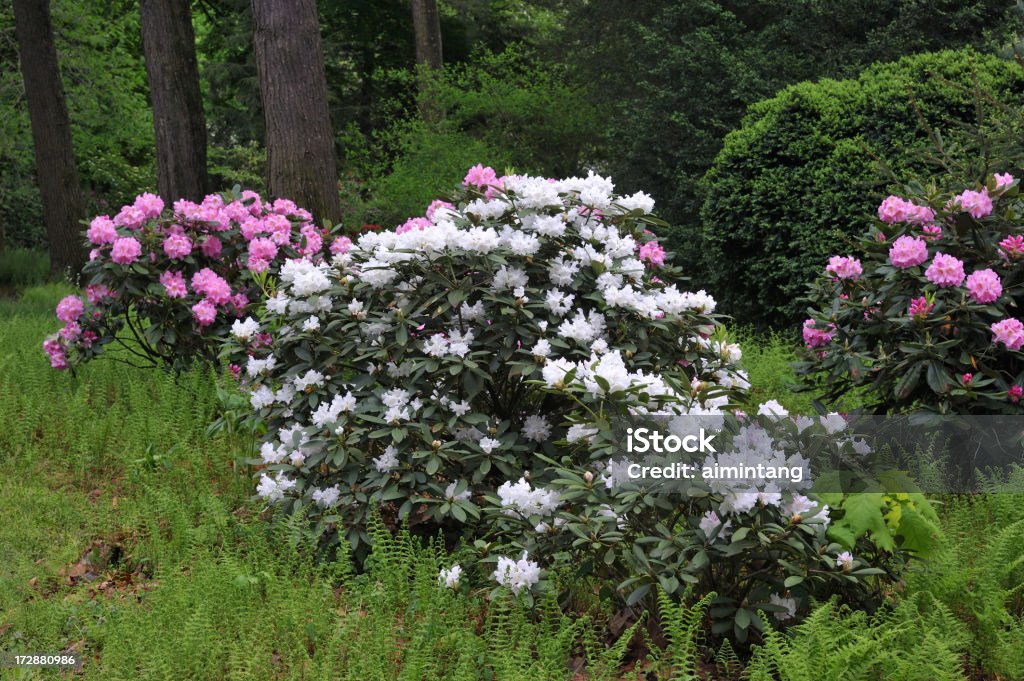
x,y
544,286
521,498
517,574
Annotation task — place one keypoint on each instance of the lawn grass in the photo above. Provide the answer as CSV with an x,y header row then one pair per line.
x,y
129,535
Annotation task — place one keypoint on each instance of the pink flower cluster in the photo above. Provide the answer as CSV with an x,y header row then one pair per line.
x,y
815,337
652,253
977,204
920,307
908,251
1009,332
945,271
984,286
481,177
844,267
895,209
1012,246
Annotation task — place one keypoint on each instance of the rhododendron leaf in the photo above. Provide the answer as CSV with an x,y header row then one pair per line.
x,y
909,381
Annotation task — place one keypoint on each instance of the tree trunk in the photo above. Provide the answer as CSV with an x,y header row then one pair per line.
x,y
293,87
56,171
426,23
169,45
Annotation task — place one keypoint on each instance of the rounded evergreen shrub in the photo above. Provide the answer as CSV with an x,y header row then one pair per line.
x,y
471,372
807,168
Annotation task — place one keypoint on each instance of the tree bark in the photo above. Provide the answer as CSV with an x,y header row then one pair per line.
x,y
169,45
293,88
56,171
426,24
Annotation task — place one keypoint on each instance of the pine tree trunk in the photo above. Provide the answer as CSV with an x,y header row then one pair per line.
x,y
293,87
56,171
168,43
426,23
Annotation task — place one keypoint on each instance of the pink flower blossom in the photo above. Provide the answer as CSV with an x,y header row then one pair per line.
x,y
209,284
1012,246
413,223
262,248
844,267
211,247
256,207
920,307
279,229
284,207
94,293
150,205
130,217
239,302
341,244
236,212
895,209
71,331
984,286
312,238
174,284
250,227
126,250
480,176
908,251
967,378
945,271
931,232
235,370
1003,180
1015,393
70,308
437,205
204,312
814,337
1009,332
177,246
101,231
652,253
978,204
58,357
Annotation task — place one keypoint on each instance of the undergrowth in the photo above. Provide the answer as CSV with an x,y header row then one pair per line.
x,y
129,535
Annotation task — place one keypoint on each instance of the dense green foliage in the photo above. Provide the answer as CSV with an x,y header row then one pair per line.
x,y
505,109
112,130
802,173
675,77
130,537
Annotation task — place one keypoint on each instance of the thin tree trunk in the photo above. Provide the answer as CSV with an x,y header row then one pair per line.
x,y
56,171
169,45
426,23
293,87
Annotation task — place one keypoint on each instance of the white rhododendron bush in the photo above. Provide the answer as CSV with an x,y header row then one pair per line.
x,y
463,372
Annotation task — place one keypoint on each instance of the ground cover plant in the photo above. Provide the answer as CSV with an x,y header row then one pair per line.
x,y
125,526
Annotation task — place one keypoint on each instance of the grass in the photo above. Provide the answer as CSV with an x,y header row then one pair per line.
x,y
130,536
20,267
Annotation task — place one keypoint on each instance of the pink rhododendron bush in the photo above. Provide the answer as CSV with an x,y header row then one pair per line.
x,y
926,313
466,372
172,282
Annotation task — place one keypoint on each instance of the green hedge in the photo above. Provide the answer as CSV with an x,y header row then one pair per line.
x,y
802,172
